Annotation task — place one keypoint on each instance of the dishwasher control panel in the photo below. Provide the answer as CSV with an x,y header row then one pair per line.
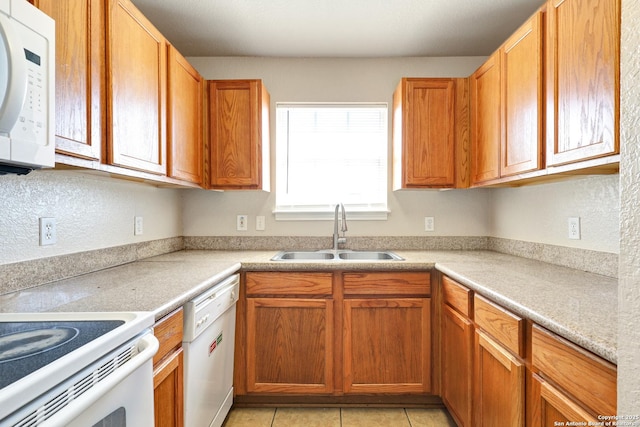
x,y
207,307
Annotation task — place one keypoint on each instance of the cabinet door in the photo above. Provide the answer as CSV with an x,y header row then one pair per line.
x,y
486,127
184,119
522,99
426,145
457,365
136,60
387,345
289,345
582,79
554,408
499,387
238,118
80,70
168,391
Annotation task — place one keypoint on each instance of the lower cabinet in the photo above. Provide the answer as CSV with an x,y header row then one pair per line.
x,y
499,397
569,383
168,390
499,382
289,333
457,351
334,334
387,345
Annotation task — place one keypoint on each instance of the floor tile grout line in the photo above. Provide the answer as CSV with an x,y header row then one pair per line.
x,y
273,419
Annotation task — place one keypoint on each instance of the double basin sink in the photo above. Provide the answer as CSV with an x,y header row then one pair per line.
x,y
339,255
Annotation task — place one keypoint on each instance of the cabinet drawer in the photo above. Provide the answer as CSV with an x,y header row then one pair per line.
x,y
587,377
168,330
507,328
272,283
388,283
456,295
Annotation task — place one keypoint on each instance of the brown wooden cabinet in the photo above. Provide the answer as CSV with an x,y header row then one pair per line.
x,y
486,124
80,96
136,60
168,372
430,133
457,351
185,100
387,333
582,77
499,389
289,333
522,91
569,383
239,134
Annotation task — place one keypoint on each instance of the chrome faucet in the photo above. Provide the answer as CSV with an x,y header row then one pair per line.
x,y
336,238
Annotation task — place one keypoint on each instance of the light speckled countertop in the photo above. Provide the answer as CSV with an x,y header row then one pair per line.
x,y
579,306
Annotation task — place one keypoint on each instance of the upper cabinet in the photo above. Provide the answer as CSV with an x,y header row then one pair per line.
x,y
430,133
238,135
116,109
80,100
522,90
583,61
486,130
185,102
506,99
136,60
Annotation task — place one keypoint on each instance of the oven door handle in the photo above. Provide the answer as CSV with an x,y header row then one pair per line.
x,y
147,347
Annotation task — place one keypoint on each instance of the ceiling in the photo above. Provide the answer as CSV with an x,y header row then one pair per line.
x,y
337,28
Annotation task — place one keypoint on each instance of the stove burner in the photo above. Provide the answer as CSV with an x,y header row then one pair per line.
x,y
23,344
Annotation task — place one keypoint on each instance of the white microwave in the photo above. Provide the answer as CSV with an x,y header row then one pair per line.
x,y
27,88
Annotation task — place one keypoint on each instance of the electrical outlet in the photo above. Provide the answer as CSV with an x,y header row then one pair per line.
x,y
138,226
429,223
48,232
260,223
574,228
241,222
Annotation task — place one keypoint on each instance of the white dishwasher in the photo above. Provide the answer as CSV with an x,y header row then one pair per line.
x,y
208,344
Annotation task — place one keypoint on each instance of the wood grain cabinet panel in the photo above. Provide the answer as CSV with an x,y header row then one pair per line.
x,y
387,345
583,57
499,385
486,126
457,365
289,345
554,408
583,378
168,371
136,60
239,134
522,90
504,326
427,115
80,97
185,136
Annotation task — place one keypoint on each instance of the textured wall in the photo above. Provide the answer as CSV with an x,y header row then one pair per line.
x,y
457,213
91,213
629,287
539,213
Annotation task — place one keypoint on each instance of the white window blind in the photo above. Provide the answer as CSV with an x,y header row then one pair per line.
x,y
328,154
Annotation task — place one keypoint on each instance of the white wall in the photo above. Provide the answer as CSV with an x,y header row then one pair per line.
x,y
539,213
629,285
91,212
536,213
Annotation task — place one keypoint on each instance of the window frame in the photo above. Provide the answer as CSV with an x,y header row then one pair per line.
x,y
325,211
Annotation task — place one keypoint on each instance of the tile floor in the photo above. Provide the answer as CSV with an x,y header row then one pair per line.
x,y
338,417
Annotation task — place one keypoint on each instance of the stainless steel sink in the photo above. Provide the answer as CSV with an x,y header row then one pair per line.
x,y
344,255
303,255
370,256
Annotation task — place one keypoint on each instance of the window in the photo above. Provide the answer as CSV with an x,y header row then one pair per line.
x,y
329,154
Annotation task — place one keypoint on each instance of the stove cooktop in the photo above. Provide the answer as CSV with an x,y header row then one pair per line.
x,y
28,346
